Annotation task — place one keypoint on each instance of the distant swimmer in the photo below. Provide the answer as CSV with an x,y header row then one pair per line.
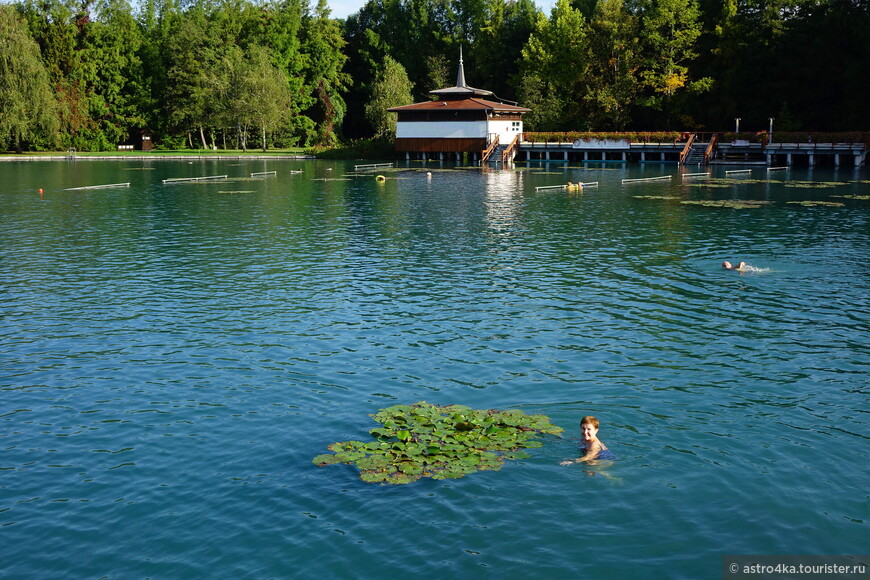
x,y
739,267
742,267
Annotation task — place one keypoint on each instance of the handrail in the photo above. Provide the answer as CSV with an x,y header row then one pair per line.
x,y
687,148
490,149
507,154
711,148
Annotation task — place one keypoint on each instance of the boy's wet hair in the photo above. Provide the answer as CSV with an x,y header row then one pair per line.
x,y
589,419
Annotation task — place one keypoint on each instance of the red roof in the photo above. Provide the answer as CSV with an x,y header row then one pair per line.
x,y
461,105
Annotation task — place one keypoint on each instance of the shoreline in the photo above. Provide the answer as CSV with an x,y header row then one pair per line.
x,y
158,157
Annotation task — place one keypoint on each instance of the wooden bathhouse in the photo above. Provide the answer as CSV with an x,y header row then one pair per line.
x,y
461,120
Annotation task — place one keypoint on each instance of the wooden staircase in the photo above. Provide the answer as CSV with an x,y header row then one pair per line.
x,y
490,150
697,152
504,152
510,152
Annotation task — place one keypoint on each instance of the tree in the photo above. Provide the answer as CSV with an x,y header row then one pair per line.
x,y
28,111
264,86
615,61
323,47
669,30
118,90
555,67
192,51
499,47
391,89
280,29
56,28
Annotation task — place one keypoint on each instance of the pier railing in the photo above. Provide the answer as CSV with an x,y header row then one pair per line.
x,y
490,149
711,148
687,148
509,153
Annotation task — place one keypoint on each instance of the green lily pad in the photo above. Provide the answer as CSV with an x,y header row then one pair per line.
x,y
326,459
373,476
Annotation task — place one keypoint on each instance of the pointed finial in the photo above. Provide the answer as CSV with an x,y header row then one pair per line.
x,y
460,77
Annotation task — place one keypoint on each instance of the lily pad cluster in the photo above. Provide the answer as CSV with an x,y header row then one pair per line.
x,y
722,203
728,203
441,442
811,203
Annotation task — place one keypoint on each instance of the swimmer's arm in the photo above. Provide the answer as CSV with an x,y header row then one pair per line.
x,y
590,455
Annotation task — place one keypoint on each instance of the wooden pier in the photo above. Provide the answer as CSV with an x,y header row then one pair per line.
x,y
739,153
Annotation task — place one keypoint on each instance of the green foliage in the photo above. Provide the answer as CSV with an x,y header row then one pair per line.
x,y
356,149
441,442
178,68
391,89
615,62
324,48
555,67
28,111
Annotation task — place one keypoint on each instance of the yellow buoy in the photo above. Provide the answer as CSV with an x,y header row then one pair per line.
x,y
380,178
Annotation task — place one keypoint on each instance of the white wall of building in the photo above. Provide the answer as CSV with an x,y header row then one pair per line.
x,y
441,130
506,130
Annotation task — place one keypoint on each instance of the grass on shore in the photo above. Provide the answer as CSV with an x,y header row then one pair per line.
x,y
355,149
179,152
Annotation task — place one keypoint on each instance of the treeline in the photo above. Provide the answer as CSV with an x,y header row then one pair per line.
x,y
87,73
238,73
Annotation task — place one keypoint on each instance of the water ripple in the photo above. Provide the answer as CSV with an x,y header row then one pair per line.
x,y
170,361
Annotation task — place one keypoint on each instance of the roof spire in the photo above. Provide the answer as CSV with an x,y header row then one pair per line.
x,y
460,77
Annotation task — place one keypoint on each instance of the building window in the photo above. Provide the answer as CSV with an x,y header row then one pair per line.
x,y
515,126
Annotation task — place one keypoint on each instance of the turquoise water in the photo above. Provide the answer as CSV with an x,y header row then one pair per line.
x,y
173,356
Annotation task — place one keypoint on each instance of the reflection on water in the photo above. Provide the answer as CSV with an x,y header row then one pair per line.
x,y
172,357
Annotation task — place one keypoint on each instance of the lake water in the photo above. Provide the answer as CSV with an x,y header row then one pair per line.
x,y
173,356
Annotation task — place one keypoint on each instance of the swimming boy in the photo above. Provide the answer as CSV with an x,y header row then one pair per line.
x,y
592,448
